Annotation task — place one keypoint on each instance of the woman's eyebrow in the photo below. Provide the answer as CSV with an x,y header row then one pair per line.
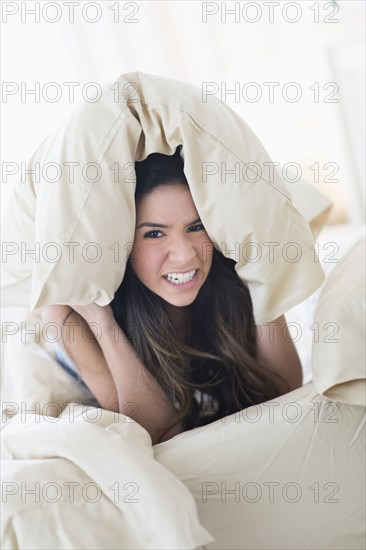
x,y
151,224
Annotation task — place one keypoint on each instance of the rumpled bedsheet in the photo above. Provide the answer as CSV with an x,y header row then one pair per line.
x,y
88,479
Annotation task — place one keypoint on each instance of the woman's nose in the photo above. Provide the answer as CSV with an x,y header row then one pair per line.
x,y
182,250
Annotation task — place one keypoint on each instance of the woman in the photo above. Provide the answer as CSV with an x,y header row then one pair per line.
x,y
177,348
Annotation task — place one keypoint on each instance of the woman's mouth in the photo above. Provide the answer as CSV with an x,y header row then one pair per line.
x,y
183,280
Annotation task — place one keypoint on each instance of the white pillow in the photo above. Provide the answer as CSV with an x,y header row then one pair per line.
x,y
83,229
338,353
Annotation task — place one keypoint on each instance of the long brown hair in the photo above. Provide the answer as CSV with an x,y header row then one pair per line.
x,y
217,372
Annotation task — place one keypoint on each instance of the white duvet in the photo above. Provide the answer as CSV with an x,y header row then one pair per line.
x,y
88,479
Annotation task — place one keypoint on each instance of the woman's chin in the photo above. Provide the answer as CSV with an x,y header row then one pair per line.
x,y
179,302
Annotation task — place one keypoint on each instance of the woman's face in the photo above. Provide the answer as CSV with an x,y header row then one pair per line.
x,y
170,240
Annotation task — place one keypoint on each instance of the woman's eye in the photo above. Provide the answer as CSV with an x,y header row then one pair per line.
x,y
153,234
197,227
149,234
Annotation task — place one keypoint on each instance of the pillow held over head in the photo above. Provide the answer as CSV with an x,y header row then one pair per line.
x,y
76,210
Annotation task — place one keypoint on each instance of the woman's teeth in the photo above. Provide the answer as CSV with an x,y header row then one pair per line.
x,y
180,278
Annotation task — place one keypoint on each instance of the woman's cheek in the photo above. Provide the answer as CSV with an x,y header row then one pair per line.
x,y
149,258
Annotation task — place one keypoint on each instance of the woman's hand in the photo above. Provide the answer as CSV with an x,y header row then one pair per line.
x,y
93,313
55,314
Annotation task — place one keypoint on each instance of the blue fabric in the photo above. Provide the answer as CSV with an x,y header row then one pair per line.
x,y
71,369
68,365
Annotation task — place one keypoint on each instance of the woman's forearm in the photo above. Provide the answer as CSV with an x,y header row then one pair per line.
x,y
140,396
277,352
80,344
